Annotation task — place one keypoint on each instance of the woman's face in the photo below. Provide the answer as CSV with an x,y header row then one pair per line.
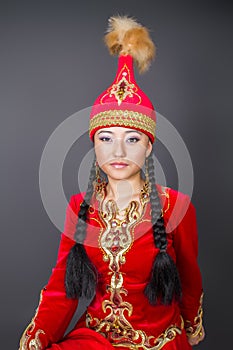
x,y
121,152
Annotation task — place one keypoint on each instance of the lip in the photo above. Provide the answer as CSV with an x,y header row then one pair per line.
x,y
119,165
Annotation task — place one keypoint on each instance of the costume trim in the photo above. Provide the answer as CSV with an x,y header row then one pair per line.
x,y
195,329
115,241
166,194
133,339
125,118
35,343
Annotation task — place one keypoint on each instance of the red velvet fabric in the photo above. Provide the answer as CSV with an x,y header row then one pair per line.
x,y
56,310
86,339
135,100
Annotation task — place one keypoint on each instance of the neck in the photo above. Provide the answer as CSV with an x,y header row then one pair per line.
x,y
123,191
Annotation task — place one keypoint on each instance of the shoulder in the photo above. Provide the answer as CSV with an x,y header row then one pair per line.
x,y
175,204
172,195
75,201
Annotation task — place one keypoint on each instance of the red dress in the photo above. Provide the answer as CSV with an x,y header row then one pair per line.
x,y
120,315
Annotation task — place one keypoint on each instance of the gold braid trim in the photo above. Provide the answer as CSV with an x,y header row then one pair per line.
x,y
193,330
123,117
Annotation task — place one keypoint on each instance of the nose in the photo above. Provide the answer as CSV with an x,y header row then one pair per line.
x,y
119,148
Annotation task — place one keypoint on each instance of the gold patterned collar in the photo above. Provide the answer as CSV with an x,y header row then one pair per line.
x,y
100,194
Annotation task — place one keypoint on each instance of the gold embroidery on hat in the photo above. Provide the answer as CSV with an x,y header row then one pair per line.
x,y
122,88
123,117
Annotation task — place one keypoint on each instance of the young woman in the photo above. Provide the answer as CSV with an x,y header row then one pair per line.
x,y
129,244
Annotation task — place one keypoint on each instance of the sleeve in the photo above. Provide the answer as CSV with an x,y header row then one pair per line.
x,y
55,310
186,247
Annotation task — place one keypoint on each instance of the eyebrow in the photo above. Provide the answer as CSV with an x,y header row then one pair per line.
x,y
111,132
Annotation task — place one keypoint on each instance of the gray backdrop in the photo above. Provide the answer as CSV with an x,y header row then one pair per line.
x,y
54,63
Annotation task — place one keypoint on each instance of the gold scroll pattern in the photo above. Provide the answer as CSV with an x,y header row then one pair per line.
x,y
32,344
122,88
195,329
115,241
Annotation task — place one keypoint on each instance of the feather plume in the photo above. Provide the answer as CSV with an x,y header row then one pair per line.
x,y
125,36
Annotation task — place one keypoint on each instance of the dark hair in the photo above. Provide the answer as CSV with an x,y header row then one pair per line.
x,y
81,275
164,284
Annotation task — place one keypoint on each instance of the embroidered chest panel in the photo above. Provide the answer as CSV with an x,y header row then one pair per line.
x,y
115,241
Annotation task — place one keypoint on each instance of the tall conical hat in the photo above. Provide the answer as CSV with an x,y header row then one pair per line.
x,y
123,103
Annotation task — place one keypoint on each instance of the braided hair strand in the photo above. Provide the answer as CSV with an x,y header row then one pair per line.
x,y
81,275
164,284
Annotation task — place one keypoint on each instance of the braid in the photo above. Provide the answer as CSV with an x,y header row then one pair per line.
x,y
80,272
165,283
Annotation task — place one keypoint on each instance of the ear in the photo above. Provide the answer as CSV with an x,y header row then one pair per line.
x,y
149,149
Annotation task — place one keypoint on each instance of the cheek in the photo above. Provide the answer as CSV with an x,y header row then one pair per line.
x,y
103,153
137,155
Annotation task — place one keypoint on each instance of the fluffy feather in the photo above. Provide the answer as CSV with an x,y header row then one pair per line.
x,y
127,37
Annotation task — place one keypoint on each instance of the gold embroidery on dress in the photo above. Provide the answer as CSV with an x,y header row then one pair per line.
x,y
166,194
195,329
130,338
163,192
115,242
35,343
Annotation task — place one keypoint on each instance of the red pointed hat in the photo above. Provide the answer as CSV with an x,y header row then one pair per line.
x,y
123,103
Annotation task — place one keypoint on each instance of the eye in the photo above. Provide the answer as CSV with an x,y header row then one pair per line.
x,y
133,139
105,139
